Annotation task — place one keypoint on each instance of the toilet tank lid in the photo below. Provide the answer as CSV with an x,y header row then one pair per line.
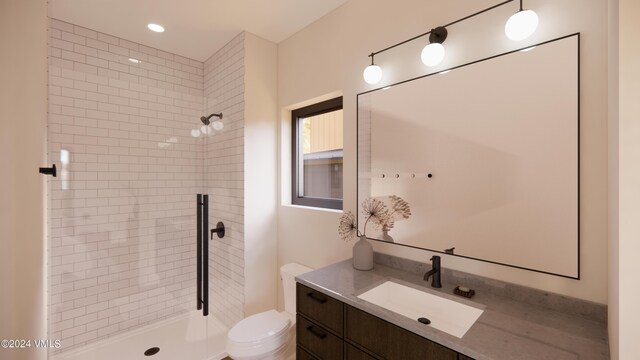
x,y
294,269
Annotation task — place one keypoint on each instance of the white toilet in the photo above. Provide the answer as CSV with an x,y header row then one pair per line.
x,y
265,336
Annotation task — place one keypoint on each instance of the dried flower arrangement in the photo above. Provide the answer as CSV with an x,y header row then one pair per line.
x,y
347,227
377,212
401,210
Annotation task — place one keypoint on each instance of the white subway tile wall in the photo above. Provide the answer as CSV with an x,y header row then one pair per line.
x,y
122,209
224,92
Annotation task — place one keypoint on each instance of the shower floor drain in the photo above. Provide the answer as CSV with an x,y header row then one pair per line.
x,y
152,351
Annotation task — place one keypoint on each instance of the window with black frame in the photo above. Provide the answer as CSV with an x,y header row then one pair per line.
x,y
316,166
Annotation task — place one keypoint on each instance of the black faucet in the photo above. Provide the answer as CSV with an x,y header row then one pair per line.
x,y
435,272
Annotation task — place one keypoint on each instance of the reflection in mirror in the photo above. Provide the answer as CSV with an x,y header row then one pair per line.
x,y
486,155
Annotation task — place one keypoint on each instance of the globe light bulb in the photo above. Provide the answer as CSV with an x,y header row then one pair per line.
x,y
195,133
205,129
521,25
155,28
372,74
432,54
217,125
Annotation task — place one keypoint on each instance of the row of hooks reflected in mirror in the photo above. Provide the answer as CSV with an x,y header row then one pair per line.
x,y
396,175
518,27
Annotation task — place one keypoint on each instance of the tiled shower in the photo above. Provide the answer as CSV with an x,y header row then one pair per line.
x,y
224,157
121,250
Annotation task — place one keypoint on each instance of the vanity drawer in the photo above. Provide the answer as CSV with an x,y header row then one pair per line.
x,y
320,308
320,342
301,354
353,353
389,341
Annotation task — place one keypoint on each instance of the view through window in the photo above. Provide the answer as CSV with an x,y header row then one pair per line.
x,y
317,155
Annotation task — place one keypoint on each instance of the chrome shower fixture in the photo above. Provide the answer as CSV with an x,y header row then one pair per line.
x,y
205,119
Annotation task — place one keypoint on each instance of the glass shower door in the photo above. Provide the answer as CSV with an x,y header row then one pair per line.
x,y
122,219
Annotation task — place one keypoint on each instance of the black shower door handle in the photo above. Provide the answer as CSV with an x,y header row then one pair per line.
x,y
199,252
49,170
205,255
202,254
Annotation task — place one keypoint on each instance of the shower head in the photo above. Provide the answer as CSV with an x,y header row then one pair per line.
x,y
205,119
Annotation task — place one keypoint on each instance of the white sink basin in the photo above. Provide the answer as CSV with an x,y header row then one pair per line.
x,y
445,315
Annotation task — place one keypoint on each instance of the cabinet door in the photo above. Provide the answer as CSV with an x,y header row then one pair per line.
x,y
319,341
320,308
301,354
353,353
389,341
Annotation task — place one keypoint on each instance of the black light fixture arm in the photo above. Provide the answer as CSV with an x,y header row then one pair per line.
x,y
443,26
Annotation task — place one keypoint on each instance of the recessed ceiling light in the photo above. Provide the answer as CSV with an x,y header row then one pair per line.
x,y
135,61
155,27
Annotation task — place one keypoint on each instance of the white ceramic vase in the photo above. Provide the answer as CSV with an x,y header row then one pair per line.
x,y
362,254
385,236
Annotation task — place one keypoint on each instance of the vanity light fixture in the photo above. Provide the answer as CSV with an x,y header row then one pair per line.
x,y
373,73
521,25
433,53
155,27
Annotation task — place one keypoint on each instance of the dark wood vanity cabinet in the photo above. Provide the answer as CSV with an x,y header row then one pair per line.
x,y
353,353
328,329
320,308
389,341
318,340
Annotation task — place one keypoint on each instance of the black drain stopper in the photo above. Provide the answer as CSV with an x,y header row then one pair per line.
x,y
152,351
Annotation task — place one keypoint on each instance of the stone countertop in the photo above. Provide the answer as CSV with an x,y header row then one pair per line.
x,y
508,329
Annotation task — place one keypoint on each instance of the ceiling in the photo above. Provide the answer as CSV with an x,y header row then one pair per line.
x,y
193,28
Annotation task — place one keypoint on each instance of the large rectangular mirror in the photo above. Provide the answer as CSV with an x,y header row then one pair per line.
x,y
486,155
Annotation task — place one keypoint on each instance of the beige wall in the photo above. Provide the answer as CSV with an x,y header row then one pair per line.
x,y
329,57
23,122
613,285
260,174
629,178
624,314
